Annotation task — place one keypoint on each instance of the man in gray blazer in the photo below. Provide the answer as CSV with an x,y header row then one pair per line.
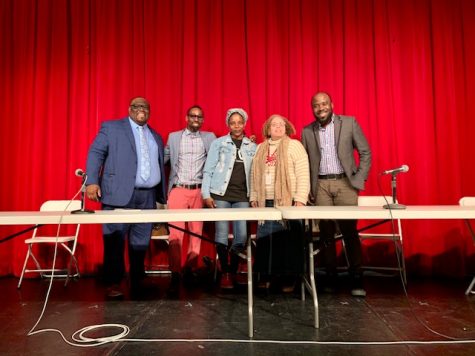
x,y
125,169
335,180
186,151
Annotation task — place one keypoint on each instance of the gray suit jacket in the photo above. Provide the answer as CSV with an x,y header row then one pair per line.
x,y
112,163
172,149
348,137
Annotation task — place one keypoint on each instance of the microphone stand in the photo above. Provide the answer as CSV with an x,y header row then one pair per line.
x,y
394,204
83,199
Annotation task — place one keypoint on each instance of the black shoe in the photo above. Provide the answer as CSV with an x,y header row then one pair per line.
x,y
136,283
190,277
357,289
329,283
174,284
143,288
209,264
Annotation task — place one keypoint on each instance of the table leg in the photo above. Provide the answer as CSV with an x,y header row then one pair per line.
x,y
249,289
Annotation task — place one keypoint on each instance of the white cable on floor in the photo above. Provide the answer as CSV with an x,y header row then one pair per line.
x,y
31,332
401,276
80,340
78,336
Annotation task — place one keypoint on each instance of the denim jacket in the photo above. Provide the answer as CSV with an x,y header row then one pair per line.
x,y
220,162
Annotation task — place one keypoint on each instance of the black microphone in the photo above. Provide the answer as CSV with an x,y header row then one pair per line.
x,y
404,168
79,172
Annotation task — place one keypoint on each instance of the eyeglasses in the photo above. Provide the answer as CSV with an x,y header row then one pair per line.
x,y
137,107
194,117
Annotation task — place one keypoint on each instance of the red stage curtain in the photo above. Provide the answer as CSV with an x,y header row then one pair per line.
x,y
405,69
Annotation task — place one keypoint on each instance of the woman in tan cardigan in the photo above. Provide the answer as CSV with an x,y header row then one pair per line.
x,y
279,177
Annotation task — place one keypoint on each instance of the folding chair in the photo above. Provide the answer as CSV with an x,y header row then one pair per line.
x,y
469,201
65,243
159,233
393,236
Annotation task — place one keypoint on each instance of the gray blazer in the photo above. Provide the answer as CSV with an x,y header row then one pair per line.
x,y
172,149
348,137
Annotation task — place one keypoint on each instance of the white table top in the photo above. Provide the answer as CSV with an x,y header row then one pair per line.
x,y
138,216
376,212
173,215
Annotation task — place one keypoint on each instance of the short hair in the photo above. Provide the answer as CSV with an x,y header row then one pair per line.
x,y
194,107
138,97
289,127
322,93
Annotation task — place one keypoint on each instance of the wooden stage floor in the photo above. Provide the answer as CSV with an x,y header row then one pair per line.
x,y
282,323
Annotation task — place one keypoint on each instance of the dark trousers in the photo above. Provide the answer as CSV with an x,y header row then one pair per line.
x,y
280,247
352,244
137,235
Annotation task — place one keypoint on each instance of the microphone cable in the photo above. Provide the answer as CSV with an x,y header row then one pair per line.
x,y
78,337
401,276
81,340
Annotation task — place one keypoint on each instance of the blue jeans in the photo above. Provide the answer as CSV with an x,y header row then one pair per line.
x,y
269,227
239,227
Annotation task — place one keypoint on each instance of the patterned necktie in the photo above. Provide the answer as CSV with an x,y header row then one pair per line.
x,y
144,156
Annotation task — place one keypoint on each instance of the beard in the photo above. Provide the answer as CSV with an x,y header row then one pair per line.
x,y
323,120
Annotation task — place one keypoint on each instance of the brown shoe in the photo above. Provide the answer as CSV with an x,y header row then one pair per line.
x,y
288,288
114,292
263,285
226,281
288,284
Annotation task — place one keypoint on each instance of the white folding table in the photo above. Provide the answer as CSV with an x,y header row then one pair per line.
x,y
415,212
156,216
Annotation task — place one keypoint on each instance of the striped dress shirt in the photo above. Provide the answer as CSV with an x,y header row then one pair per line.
x,y
191,159
329,163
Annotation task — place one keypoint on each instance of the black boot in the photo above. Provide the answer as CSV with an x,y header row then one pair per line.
x,y
330,282
234,263
239,278
226,281
222,251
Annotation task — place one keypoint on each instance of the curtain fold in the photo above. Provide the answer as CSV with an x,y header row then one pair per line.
x,y
405,69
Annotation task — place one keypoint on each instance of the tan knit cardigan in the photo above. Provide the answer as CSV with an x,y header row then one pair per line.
x,y
298,172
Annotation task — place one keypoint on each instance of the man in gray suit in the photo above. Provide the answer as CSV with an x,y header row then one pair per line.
x,y
335,180
125,169
186,151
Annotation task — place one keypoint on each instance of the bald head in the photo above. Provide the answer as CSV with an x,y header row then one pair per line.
x,y
322,107
139,110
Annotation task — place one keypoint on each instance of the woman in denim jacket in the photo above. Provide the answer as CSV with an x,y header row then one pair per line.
x,y
226,185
